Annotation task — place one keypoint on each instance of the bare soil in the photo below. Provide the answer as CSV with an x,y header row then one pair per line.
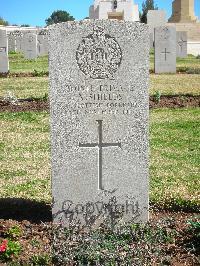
x,y
167,101
34,220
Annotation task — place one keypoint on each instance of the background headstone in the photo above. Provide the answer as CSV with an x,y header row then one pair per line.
x,y
165,50
155,18
4,62
30,46
11,43
42,42
99,120
181,44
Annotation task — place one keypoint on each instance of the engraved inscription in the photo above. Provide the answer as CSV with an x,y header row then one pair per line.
x,y
99,55
100,146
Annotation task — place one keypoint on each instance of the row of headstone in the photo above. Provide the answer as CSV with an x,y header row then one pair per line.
x,y
31,44
157,19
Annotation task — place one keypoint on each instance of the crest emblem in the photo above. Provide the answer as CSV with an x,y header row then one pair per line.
x,y
99,55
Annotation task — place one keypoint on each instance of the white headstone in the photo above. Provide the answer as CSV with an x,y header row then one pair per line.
x,y
165,50
99,121
42,45
181,44
4,62
30,46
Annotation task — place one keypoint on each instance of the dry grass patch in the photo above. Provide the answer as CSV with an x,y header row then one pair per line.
x,y
175,84
24,87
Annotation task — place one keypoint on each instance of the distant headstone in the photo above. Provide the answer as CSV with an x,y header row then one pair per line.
x,y
165,50
11,43
155,18
42,42
4,63
99,113
30,46
181,44
18,40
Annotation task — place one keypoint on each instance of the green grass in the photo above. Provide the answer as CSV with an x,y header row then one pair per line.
x,y
18,64
24,87
174,168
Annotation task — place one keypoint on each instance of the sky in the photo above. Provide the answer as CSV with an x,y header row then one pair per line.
x,y
34,12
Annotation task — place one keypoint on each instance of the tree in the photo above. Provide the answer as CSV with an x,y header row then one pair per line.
x,y
146,6
25,25
59,16
3,22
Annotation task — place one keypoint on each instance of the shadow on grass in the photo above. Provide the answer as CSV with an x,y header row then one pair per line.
x,y
24,209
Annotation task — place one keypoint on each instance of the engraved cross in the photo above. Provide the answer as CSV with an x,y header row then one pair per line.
x,y
165,52
100,145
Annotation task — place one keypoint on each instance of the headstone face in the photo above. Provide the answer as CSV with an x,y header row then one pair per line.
x,y
99,121
30,46
4,63
11,43
181,44
42,43
18,35
155,18
165,50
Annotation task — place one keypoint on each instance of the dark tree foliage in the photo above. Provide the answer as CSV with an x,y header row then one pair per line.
x,y
3,22
25,25
58,17
146,6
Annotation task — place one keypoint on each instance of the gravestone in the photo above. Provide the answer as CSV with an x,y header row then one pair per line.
x,y
155,18
18,35
165,50
30,46
181,44
42,42
11,43
99,121
4,63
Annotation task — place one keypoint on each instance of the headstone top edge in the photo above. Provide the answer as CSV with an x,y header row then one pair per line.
x,y
96,21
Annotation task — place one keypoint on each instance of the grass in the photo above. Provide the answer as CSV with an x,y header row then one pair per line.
x,y
174,170
18,64
165,84
24,87
24,155
175,84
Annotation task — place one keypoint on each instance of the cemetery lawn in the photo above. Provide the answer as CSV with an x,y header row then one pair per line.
x,y
18,64
174,169
37,87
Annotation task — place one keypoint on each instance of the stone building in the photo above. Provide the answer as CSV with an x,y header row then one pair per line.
x,y
114,9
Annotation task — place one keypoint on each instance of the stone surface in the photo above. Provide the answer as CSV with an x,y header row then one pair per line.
x,y
181,44
165,50
30,45
99,73
4,63
183,11
121,10
42,42
11,43
155,18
